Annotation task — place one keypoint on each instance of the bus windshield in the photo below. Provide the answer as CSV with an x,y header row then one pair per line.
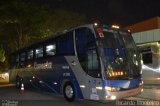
x,y
121,56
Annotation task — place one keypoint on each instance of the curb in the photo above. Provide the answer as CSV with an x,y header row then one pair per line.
x,y
6,85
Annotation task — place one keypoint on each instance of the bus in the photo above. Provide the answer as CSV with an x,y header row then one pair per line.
x,y
92,61
151,62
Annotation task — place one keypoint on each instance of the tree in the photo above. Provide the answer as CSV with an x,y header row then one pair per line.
x,y
2,55
3,63
60,20
20,21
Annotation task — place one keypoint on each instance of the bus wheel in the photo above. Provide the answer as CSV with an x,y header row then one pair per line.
x,y
69,92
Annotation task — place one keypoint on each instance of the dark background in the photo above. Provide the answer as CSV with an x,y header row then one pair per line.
x,y
122,12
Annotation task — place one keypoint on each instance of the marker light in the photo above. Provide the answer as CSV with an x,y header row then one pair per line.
x,y
29,65
121,73
95,24
46,65
108,88
115,26
112,89
112,97
99,88
41,82
141,83
116,74
55,83
142,90
129,30
33,77
82,86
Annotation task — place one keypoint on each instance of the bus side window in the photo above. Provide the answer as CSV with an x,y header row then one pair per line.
x,y
30,54
65,44
22,59
83,37
147,58
50,49
17,61
39,52
81,43
17,58
93,66
14,61
85,40
146,54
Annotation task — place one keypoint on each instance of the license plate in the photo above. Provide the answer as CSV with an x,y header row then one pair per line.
x,y
131,93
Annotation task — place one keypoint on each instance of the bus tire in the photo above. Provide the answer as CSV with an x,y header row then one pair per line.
x,y
69,92
18,82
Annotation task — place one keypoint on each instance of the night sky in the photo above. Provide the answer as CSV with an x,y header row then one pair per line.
x,y
122,12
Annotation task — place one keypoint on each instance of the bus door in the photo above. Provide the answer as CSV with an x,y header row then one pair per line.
x,y
88,69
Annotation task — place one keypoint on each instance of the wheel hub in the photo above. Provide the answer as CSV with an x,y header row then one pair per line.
x,y
69,91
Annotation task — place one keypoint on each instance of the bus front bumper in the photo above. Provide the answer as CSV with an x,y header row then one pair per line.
x,y
123,94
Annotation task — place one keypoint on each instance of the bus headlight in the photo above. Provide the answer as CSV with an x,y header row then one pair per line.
x,y
112,89
112,97
141,83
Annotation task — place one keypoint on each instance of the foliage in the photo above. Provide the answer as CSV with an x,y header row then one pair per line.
x,y
22,23
2,55
19,22
3,63
60,20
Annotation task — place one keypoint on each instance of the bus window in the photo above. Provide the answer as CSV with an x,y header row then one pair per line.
x,y
14,61
93,63
39,52
22,57
83,37
51,50
65,44
146,54
17,58
30,54
147,58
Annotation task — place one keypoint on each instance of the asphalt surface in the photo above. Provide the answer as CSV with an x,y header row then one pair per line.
x,y
38,98
11,96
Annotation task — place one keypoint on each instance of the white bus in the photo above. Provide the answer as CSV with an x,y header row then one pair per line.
x,y
151,62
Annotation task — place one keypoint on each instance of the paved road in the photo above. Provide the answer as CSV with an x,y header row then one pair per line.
x,y
38,98
12,95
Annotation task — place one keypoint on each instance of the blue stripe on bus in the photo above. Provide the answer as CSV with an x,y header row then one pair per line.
x,y
122,83
54,75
